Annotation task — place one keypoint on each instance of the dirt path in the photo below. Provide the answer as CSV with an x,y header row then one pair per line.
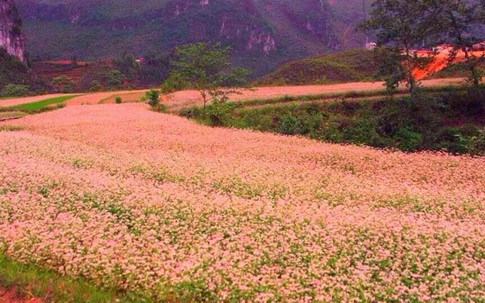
x,y
178,100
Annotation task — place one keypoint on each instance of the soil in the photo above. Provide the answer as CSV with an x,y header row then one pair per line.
x,y
11,296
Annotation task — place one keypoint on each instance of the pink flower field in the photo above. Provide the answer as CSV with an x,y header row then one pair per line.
x,y
156,204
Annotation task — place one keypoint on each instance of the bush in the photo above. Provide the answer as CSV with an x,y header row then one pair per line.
x,y
152,96
15,90
95,86
114,78
218,113
291,125
408,139
173,83
63,84
118,100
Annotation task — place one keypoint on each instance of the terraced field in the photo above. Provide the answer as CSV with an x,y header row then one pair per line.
x,y
181,99
140,201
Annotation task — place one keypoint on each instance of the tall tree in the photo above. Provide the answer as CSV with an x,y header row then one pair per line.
x,y
400,25
207,68
457,20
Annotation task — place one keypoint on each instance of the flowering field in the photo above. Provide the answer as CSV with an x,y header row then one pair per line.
x,y
157,204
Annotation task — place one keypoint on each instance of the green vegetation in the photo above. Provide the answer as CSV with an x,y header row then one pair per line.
x,y
345,66
63,84
419,21
12,71
207,68
459,70
451,120
457,20
39,106
51,287
111,27
15,90
152,96
114,79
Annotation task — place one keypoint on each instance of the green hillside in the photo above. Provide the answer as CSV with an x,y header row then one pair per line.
x,y
262,33
12,71
459,70
345,66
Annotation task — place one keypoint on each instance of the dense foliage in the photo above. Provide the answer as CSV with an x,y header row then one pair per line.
x,y
12,71
207,69
452,121
401,25
344,66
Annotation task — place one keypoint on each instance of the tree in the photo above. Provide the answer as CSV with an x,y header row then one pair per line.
x,y
400,25
63,84
15,90
207,68
114,78
127,65
456,20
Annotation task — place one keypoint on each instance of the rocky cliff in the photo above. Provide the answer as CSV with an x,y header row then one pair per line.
x,y
262,33
11,38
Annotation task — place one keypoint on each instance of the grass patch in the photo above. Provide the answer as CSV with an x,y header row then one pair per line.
x,y
11,115
40,106
51,287
346,66
10,128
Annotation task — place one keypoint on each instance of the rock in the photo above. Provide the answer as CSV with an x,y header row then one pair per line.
x,y
11,37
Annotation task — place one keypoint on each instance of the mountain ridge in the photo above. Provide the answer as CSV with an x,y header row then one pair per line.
x,y
262,33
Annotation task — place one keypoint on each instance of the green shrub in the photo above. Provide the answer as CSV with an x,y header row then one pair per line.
x,y
114,79
161,108
291,125
152,96
218,113
63,84
15,90
118,100
173,83
193,112
425,123
95,86
408,139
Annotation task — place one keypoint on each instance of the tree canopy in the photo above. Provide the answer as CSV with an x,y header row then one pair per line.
x,y
207,68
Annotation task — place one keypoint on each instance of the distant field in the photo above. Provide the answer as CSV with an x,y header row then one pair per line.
x,y
181,99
